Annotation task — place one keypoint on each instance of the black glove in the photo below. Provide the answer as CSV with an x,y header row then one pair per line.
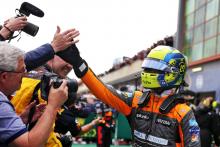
x,y
72,56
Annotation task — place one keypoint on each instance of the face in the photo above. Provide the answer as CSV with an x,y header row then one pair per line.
x,y
12,80
61,67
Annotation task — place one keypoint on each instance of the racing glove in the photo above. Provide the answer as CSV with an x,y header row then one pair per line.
x,y
72,56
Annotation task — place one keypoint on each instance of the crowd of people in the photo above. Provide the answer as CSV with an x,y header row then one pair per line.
x,y
162,113
207,115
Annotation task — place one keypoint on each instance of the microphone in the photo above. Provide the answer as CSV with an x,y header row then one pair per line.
x,y
27,9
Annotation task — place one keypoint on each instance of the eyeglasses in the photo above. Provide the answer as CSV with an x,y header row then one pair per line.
x,y
23,72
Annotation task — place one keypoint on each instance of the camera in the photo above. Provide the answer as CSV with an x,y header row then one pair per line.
x,y
25,10
52,79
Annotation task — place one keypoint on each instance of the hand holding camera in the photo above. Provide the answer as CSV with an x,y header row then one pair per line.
x,y
49,80
11,25
57,96
15,24
20,23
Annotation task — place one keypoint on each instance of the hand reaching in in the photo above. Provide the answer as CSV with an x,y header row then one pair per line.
x,y
39,109
63,40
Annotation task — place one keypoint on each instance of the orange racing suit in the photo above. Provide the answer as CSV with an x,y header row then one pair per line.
x,y
177,128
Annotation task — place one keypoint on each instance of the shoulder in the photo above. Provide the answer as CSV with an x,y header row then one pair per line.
x,y
11,124
136,96
24,94
28,84
183,109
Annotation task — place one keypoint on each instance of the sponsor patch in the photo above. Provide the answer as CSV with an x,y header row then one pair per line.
x,y
127,94
194,130
157,140
142,116
163,122
192,122
139,134
151,138
182,110
82,67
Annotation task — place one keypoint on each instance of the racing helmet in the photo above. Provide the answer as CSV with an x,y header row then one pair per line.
x,y
164,67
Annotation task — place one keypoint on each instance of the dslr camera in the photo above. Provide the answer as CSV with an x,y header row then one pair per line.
x,y
52,79
25,10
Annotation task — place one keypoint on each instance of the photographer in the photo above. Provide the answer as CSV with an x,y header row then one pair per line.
x,y
13,132
29,86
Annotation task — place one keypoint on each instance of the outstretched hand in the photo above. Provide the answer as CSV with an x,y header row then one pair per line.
x,y
63,40
97,121
38,112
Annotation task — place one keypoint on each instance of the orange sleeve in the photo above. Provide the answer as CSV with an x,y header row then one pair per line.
x,y
106,94
189,129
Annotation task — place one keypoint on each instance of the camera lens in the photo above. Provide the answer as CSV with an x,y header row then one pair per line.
x,y
31,29
72,85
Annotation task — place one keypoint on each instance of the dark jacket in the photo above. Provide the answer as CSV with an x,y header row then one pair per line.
x,y
38,56
209,125
65,122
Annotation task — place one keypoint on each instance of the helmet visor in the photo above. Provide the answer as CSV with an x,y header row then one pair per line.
x,y
155,64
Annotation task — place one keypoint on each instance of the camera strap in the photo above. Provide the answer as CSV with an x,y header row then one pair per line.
x,y
32,110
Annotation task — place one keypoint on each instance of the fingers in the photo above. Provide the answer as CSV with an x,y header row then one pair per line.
x,y
58,30
66,90
76,34
63,40
64,84
5,22
41,107
32,104
75,41
71,34
23,18
68,31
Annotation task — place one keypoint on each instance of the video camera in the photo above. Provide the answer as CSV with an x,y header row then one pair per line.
x,y
52,79
25,10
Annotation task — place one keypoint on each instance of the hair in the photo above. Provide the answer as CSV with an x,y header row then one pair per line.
x,y
167,41
9,56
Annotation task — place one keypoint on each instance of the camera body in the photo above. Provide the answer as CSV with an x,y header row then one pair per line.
x,y
52,79
30,28
25,10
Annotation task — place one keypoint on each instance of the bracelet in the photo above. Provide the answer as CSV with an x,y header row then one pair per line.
x,y
8,29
